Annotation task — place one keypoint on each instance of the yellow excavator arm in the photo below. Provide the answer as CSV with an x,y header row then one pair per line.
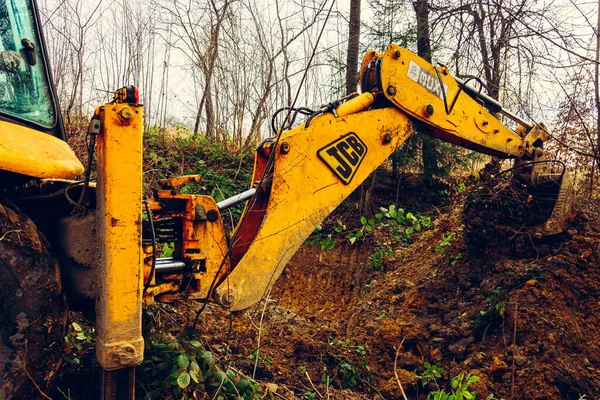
x,y
303,174
311,169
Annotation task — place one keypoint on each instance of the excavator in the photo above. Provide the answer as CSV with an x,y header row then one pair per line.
x,y
63,233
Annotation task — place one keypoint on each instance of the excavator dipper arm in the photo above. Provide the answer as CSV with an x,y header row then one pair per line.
x,y
314,170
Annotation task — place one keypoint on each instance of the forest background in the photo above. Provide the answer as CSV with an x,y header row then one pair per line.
x,y
221,68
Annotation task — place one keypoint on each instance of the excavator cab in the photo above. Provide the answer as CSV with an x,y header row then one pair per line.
x,y
26,94
33,138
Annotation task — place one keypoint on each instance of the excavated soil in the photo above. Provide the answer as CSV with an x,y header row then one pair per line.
x,y
472,294
520,313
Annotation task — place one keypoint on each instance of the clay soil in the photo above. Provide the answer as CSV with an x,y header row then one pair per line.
x,y
520,313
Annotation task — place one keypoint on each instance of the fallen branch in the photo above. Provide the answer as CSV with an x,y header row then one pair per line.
x,y
313,385
396,370
512,389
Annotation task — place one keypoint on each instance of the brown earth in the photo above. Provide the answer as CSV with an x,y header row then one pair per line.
x,y
519,313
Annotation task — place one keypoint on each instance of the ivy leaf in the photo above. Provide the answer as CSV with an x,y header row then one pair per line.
x,y
183,361
195,343
207,356
454,383
183,380
194,376
194,367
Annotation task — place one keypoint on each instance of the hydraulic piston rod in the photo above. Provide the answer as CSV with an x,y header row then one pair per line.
x,y
168,265
238,198
492,103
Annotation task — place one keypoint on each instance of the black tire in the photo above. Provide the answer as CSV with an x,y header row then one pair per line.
x,y
33,313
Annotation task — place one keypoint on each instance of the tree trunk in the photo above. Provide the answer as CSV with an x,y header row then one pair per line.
x,y
429,154
597,99
353,47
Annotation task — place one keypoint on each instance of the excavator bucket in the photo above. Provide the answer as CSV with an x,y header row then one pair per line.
x,y
551,185
562,213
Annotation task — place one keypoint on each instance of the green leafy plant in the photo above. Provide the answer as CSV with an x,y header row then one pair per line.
x,y
182,367
401,223
350,362
377,257
256,357
445,244
459,386
459,389
406,221
431,373
367,226
80,343
320,239
493,315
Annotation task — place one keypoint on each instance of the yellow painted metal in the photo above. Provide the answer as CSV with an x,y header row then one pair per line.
x,y
203,245
175,182
412,84
356,104
29,152
119,196
305,190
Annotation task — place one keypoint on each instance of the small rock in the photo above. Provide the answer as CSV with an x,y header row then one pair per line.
x,y
460,348
436,355
406,377
271,387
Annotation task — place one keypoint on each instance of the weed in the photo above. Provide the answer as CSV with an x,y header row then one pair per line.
x,y
459,386
320,239
377,257
494,314
265,360
459,389
430,374
445,245
182,368
367,226
350,362
402,224
79,340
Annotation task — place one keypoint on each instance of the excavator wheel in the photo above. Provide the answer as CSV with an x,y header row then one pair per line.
x,y
33,311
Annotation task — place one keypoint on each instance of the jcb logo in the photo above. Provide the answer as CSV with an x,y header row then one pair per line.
x,y
344,156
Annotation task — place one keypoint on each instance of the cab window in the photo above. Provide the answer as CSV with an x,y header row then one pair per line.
x,y
24,90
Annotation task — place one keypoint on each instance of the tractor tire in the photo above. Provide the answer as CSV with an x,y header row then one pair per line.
x,y
33,312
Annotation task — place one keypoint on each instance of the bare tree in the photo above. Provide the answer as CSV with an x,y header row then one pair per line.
x,y
353,47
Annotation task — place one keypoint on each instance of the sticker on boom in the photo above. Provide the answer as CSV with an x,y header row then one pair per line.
x,y
343,156
425,79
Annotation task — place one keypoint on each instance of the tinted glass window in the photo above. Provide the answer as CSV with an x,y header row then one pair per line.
x,y
24,90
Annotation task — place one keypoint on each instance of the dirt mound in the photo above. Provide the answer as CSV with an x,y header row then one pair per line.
x,y
524,322
500,212
525,326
